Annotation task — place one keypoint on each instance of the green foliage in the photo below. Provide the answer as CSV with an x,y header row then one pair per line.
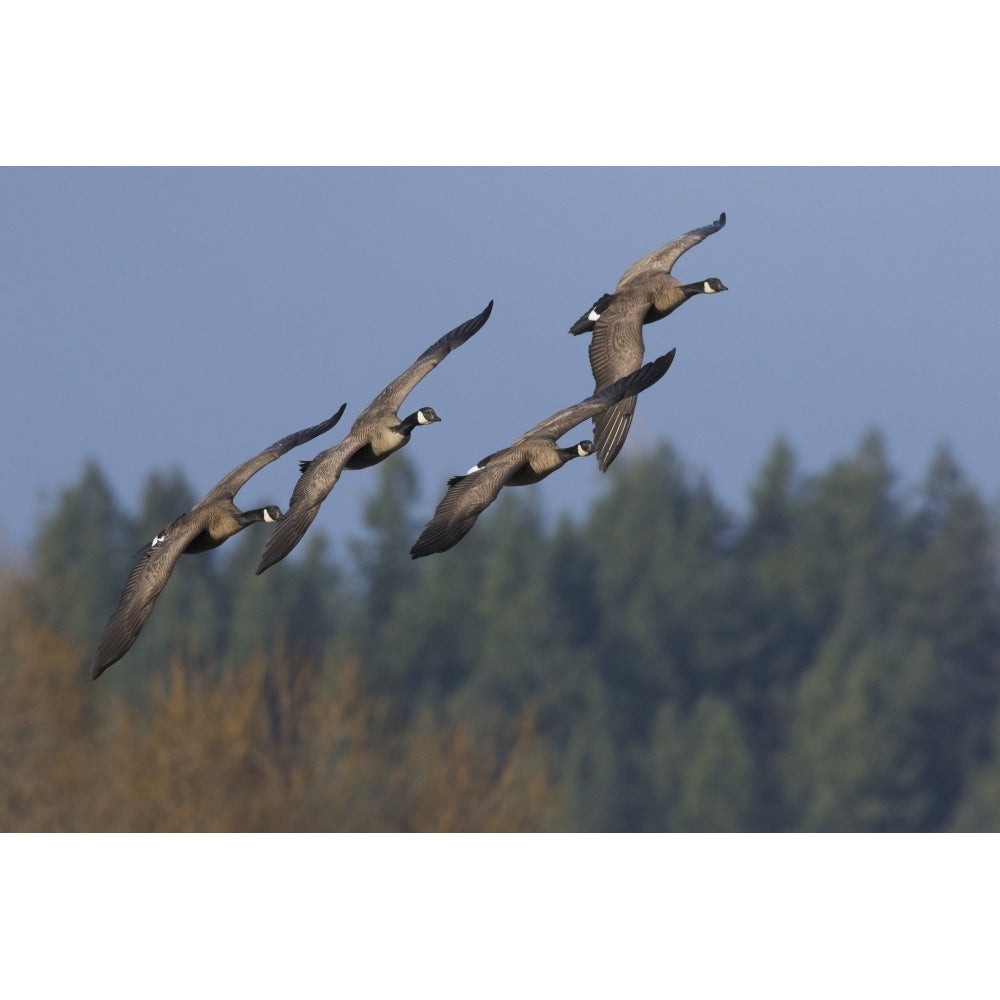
x,y
830,662
665,585
872,747
700,771
80,550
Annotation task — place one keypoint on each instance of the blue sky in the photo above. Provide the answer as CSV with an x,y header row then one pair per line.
x,y
188,317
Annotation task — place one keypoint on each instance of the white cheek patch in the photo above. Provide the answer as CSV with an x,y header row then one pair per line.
x,y
267,517
707,288
475,468
593,315
158,540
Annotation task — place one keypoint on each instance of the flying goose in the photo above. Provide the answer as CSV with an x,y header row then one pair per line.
x,y
205,526
646,292
532,457
374,436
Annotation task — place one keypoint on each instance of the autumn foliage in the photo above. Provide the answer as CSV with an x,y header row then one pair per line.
x,y
258,747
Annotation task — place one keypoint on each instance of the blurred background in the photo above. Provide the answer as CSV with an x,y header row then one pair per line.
x,y
776,611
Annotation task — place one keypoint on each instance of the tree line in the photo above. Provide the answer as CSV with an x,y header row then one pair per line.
x,y
827,660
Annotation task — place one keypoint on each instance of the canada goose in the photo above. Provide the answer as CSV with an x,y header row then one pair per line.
x,y
646,292
205,526
532,457
374,436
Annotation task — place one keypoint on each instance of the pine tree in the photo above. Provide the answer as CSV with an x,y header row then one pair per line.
x,y
79,553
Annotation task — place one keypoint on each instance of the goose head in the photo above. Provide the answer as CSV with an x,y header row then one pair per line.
x,y
269,515
581,450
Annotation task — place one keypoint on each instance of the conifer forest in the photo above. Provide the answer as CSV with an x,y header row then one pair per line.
x,y
825,661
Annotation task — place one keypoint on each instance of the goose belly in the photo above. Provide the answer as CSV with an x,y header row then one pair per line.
x,y
665,298
377,450
222,524
204,541
534,472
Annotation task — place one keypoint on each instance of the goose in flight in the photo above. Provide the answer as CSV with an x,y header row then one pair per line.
x,y
211,521
532,457
376,433
646,292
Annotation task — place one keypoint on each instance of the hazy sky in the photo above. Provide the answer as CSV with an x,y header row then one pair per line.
x,y
157,318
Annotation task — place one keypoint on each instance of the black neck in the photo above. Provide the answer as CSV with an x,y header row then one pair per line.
x,y
408,423
249,516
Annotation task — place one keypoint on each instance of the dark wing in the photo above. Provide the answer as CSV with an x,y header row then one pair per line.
x,y
610,430
230,485
625,387
665,258
148,578
466,498
399,388
616,349
586,322
311,489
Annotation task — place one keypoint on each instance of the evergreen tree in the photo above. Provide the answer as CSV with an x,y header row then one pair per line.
x,y
664,587
382,556
589,765
384,572
699,770
873,743
516,636
300,607
952,588
432,640
78,555
952,598
851,523
782,626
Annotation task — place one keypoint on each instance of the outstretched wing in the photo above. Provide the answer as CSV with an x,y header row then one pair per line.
x,y
621,390
313,486
616,349
287,535
146,581
466,498
399,388
665,258
230,485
